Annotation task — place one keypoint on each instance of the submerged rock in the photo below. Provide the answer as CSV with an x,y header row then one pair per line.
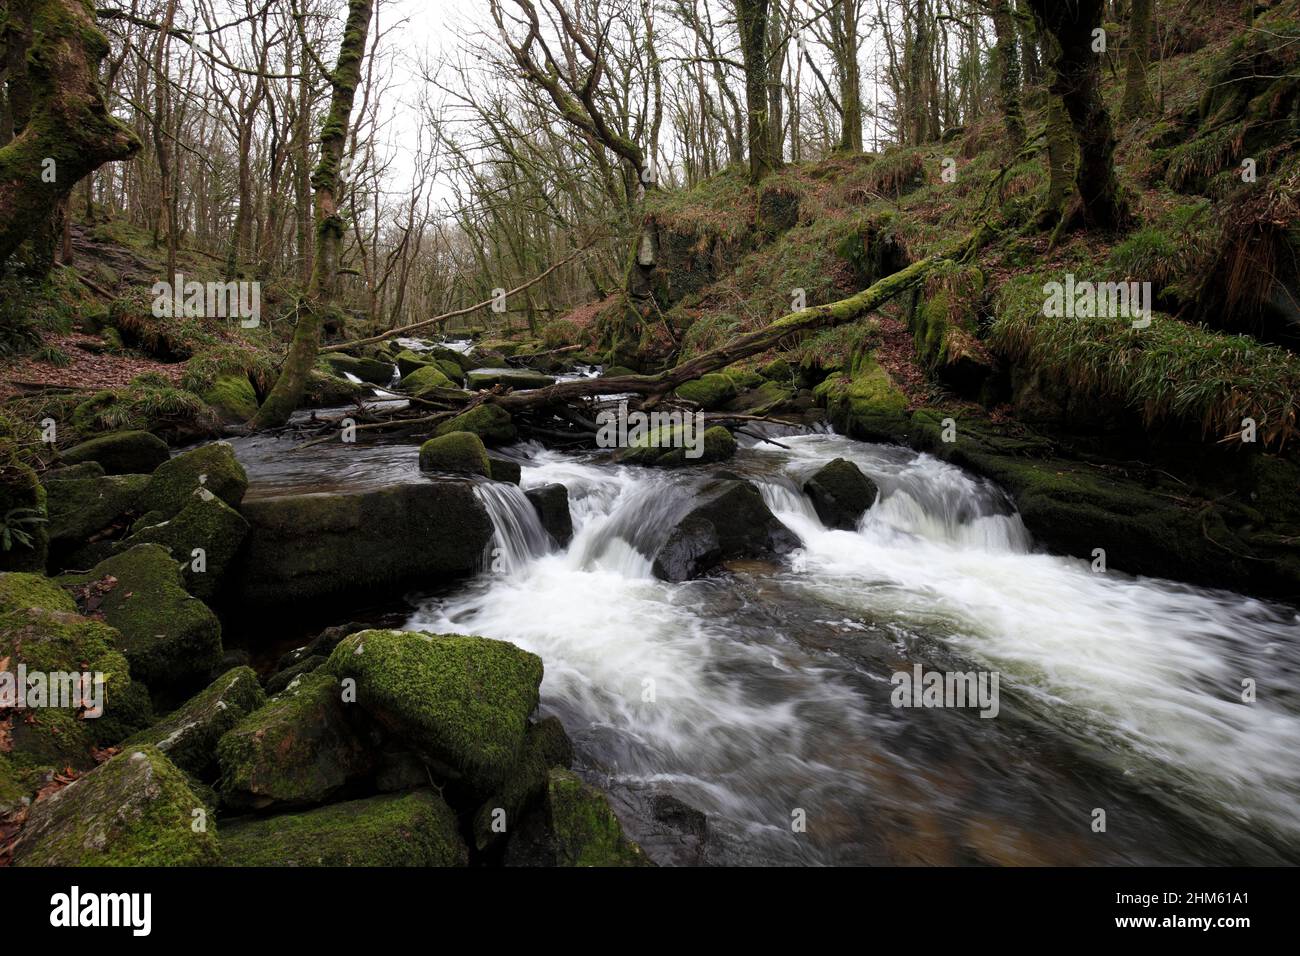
x,y
462,702
304,548
298,749
189,736
456,452
136,809
171,639
552,505
121,453
841,494
731,521
415,828
212,467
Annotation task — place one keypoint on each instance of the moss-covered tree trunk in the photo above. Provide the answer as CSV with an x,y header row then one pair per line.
x,y
63,131
323,286
1077,81
1008,66
752,20
1137,93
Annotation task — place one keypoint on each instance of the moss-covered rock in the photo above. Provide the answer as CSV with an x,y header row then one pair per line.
x,y
305,548
298,749
841,494
121,453
709,392
212,467
415,828
206,524
519,379
171,639
327,391
189,735
408,361
136,809
374,371
502,469
867,404
944,321
424,378
551,502
281,679
21,592
546,745
86,469
456,452
82,509
126,712
778,370
489,422
232,398
453,370
574,827
461,702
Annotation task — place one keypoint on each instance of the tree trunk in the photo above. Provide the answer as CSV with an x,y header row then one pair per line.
x,y
752,18
323,286
67,123
1008,66
1137,94
1077,80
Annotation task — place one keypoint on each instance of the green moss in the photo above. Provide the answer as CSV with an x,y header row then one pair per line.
x,y
206,523
190,734
79,508
136,809
518,379
461,701
545,746
149,403
424,378
457,452
408,829
490,422
868,404
233,398
325,390
710,392
169,637
59,640
585,830
297,749
374,371
408,362
212,466
121,453
19,592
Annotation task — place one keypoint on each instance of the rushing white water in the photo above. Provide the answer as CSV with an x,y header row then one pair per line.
x,y
765,692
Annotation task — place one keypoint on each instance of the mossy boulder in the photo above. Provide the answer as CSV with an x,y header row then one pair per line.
x,y
121,453
82,509
325,390
408,361
136,809
866,404
672,446
207,524
457,452
453,370
212,467
551,503
767,398
546,745
298,749
944,320
489,422
189,735
85,469
574,827
232,398
425,378
415,828
462,702
709,392
20,592
519,379
778,370
171,639
23,508
374,371
304,549
841,494
728,521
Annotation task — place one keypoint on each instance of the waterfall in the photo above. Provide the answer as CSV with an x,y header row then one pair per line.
x,y
518,536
